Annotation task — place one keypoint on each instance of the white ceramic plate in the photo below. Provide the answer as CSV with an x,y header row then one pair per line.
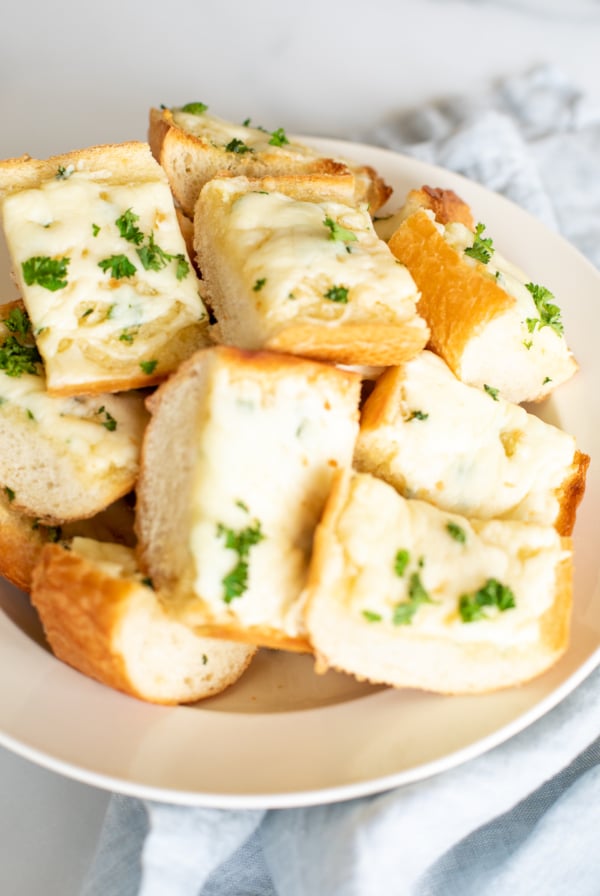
x,y
283,736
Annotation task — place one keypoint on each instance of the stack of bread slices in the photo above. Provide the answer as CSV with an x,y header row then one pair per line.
x,y
237,412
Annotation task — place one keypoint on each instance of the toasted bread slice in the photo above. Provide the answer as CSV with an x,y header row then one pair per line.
x,y
468,451
60,458
22,537
101,617
405,594
237,463
310,278
194,146
102,266
480,308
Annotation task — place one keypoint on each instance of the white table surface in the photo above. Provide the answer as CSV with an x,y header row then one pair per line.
x,y
72,75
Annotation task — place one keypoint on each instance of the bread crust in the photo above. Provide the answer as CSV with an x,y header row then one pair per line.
x,y
190,161
456,301
81,609
571,494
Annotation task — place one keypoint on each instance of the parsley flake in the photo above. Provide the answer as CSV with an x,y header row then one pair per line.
x,y
18,322
456,532
153,258
235,583
338,232
278,138
371,616
417,595
182,268
63,173
401,561
492,594
194,108
237,146
109,421
549,314
482,248
259,284
491,391
95,229
417,415
17,359
128,228
47,272
10,494
338,294
118,265
148,367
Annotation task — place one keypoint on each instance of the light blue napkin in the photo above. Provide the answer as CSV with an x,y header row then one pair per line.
x,y
523,818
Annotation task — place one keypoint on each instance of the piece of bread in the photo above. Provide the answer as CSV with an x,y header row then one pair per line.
x,y
101,617
237,463
468,451
61,458
404,594
310,278
195,146
480,308
22,537
100,261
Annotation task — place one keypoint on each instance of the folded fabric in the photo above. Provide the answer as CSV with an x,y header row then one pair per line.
x,y
519,819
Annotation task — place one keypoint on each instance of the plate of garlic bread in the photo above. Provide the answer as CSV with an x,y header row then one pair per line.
x,y
295,461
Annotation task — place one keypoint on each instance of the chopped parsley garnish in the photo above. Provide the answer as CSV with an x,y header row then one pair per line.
x,y
17,359
417,595
95,229
417,415
371,616
153,258
148,367
482,248
527,343
63,173
109,421
549,313
128,228
126,336
237,146
18,322
401,561
50,273
456,532
118,265
30,415
10,494
259,284
492,594
53,533
194,108
235,582
182,268
278,138
547,379
338,294
87,312
491,391
204,659
338,232
147,581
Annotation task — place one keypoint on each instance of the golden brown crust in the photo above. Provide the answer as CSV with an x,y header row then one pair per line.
x,y
446,205
353,343
456,300
555,623
571,493
260,636
79,607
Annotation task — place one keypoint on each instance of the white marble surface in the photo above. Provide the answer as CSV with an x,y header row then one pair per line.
x,y
72,75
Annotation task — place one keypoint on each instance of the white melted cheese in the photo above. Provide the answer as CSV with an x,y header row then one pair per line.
x,y
540,358
288,261
220,133
97,320
472,455
376,523
265,457
76,426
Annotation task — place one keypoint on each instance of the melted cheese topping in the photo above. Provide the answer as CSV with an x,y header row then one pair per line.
x,y
264,458
375,523
540,358
471,454
98,322
77,425
285,255
220,133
